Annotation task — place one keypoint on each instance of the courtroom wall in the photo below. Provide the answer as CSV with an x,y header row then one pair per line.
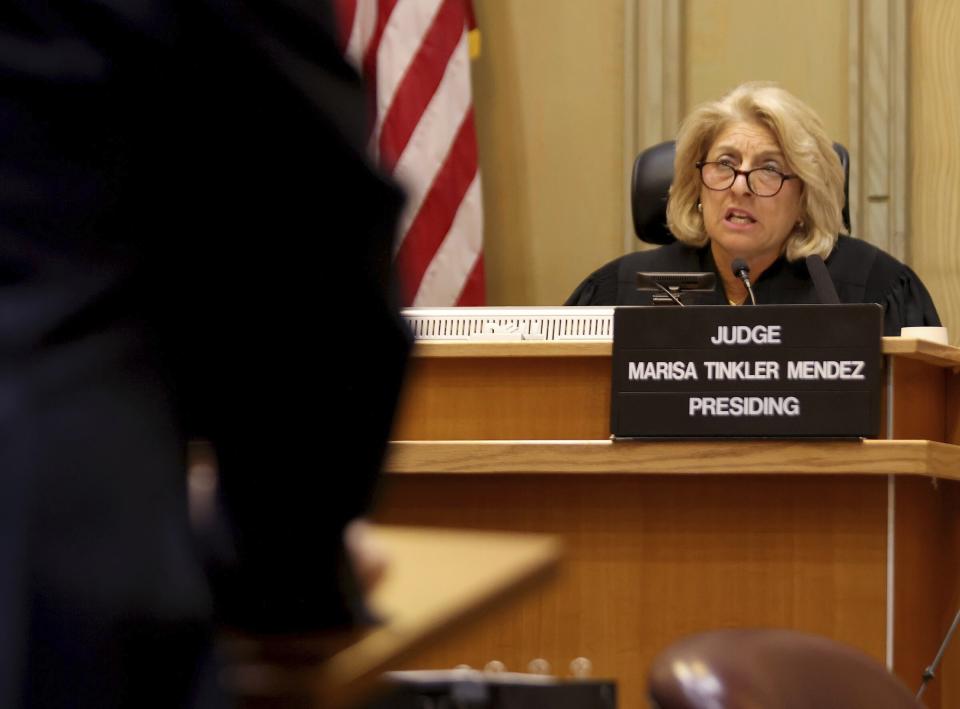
x,y
550,103
935,154
549,110
801,45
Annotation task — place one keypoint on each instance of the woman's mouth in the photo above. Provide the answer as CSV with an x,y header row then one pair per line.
x,y
739,216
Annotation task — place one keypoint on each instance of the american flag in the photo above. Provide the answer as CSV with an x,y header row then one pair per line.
x,y
415,57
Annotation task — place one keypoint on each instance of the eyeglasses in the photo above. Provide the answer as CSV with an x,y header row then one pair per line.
x,y
762,181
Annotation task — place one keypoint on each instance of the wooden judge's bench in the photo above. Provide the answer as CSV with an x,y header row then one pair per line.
x,y
855,540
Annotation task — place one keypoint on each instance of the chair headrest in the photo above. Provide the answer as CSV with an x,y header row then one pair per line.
x,y
650,184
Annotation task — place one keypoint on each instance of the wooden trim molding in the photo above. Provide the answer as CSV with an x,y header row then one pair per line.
x,y
930,352
653,71
721,457
879,127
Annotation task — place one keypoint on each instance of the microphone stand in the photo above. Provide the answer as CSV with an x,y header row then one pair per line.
x,y
742,271
929,672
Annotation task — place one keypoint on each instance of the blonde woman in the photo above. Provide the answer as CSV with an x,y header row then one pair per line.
x,y
756,178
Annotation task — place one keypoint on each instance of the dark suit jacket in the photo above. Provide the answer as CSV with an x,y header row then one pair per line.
x,y
191,244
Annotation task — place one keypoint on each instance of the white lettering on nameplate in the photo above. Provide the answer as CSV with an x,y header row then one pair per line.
x,y
744,406
829,369
746,335
659,371
723,371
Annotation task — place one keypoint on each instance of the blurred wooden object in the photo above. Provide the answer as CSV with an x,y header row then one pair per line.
x,y
437,579
858,541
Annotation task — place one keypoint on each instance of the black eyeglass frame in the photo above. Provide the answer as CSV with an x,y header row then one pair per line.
x,y
746,173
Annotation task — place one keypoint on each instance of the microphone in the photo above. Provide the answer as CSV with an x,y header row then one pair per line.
x,y
742,271
822,282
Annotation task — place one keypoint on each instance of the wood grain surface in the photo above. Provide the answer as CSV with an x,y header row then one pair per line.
x,y
935,147
670,537
723,457
651,558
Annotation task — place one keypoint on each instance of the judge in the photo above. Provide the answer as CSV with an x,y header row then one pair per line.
x,y
756,178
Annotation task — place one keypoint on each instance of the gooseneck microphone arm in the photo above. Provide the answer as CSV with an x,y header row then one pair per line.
x,y
742,271
929,672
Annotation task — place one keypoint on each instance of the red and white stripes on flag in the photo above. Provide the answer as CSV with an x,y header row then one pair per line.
x,y
415,57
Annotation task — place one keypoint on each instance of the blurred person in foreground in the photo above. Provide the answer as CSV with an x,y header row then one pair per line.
x,y
757,178
184,192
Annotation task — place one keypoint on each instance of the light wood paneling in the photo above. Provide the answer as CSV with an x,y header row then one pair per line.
x,y
667,538
919,391
494,398
549,109
944,356
802,46
561,390
935,164
716,457
927,528
934,353
649,560
947,542
952,425
879,134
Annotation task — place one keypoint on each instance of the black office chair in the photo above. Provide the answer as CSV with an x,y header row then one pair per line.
x,y
773,669
652,175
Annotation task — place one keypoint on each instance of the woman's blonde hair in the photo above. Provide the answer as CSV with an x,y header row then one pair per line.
x,y
808,152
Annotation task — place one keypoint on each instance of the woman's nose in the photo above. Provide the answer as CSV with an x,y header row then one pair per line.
x,y
740,185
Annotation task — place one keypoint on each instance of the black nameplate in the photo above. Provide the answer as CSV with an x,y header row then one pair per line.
x,y
753,371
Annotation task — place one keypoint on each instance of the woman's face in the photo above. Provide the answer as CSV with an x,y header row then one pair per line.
x,y
737,221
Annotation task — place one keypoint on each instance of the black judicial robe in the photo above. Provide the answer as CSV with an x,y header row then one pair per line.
x,y
861,273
